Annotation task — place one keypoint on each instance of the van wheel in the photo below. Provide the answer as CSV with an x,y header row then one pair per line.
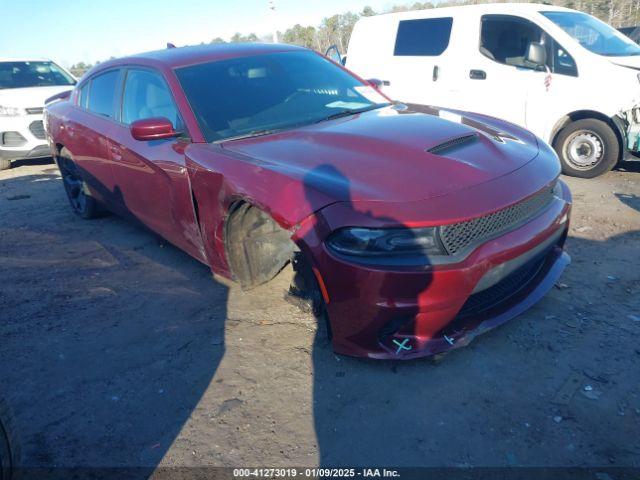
x,y
5,164
81,201
587,148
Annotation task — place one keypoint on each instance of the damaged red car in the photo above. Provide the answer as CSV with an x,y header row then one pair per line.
x,y
411,229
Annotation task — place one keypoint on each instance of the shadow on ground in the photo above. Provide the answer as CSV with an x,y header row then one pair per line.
x,y
123,334
112,338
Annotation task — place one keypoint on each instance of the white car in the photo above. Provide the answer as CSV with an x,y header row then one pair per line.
x,y
565,75
24,86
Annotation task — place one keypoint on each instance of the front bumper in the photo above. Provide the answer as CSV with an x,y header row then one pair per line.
x,y
30,128
394,314
39,151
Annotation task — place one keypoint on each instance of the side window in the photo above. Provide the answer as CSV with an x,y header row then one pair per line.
x,y
562,62
83,95
146,95
506,39
423,37
102,93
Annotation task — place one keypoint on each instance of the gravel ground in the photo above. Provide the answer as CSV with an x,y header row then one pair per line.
x,y
117,349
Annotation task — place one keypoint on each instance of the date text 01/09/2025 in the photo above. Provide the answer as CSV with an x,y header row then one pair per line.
x,y
314,473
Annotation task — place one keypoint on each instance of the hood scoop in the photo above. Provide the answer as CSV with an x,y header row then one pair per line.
x,y
453,144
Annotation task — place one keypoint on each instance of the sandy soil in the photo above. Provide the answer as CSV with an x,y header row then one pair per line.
x,y
117,349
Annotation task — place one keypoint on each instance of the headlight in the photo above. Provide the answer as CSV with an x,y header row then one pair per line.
x,y
9,111
364,242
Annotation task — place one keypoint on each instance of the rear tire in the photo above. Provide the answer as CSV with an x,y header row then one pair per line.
x,y
5,164
82,203
587,148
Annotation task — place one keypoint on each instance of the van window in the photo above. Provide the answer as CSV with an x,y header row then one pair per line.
x,y
505,39
102,93
146,95
593,34
423,37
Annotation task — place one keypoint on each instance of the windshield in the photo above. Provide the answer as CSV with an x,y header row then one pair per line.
x,y
32,74
266,93
593,34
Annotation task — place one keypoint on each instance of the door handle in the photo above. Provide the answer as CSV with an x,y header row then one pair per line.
x,y
477,74
436,73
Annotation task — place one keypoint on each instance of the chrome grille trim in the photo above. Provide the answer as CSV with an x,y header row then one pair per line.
x,y
459,236
37,128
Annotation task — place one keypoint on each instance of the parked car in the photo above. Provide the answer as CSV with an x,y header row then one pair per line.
x,y
565,75
24,86
411,230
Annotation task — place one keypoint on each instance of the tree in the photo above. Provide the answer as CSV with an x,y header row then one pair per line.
x,y
239,38
367,12
299,35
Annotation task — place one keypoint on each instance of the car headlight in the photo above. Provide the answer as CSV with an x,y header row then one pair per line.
x,y
9,111
364,242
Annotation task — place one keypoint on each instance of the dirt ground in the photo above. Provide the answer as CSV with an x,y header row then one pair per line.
x,y
117,349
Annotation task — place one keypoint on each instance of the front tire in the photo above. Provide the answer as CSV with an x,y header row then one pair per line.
x,y
587,148
82,203
5,164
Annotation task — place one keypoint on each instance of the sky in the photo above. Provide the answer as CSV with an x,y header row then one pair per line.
x,y
69,31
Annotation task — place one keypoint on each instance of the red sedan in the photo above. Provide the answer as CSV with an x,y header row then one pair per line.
x,y
410,229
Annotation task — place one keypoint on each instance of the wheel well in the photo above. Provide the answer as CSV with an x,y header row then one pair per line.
x,y
257,248
586,114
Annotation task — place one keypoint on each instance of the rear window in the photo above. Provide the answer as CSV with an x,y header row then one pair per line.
x,y
102,93
423,37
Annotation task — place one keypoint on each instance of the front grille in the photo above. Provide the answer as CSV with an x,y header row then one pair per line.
x,y
458,236
12,139
34,110
503,290
37,128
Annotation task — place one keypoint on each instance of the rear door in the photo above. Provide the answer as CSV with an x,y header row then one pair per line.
x,y
89,126
417,67
151,176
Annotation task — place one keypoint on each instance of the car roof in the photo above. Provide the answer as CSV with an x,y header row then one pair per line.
x,y
502,8
174,57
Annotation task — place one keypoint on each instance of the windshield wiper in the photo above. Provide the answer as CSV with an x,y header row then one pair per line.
x,y
352,111
252,133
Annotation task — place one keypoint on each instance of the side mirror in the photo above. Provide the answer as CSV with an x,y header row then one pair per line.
x,y
536,54
153,129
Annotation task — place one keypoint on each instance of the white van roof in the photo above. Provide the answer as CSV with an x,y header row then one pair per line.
x,y
467,9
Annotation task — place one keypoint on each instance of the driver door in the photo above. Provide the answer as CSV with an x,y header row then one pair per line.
x,y
151,176
497,77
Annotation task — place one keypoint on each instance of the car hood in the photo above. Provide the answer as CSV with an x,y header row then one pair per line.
x,y
396,153
31,97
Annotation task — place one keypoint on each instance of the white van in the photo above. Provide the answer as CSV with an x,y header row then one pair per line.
x,y
566,76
